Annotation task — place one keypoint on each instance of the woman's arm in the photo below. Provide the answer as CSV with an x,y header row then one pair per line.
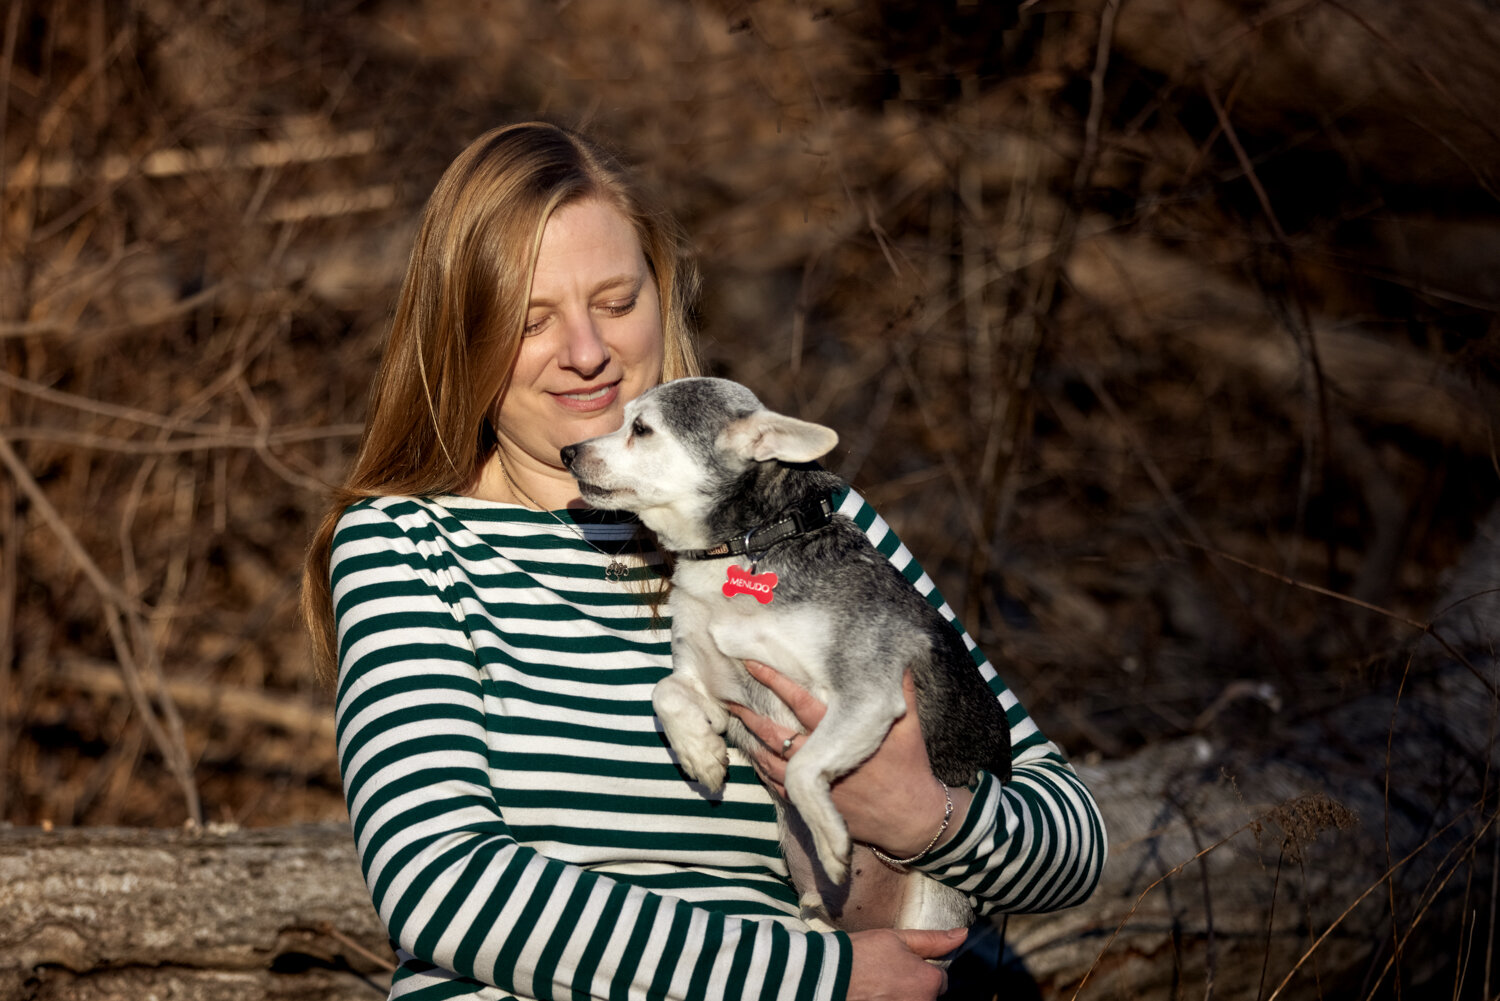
x,y
1034,843
447,876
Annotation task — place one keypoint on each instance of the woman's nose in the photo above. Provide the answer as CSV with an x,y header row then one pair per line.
x,y
584,349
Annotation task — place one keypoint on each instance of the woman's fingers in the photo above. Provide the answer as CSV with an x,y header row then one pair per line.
x,y
779,742
765,730
803,704
889,965
768,760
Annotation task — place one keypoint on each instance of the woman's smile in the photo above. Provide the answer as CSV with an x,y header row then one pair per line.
x,y
590,399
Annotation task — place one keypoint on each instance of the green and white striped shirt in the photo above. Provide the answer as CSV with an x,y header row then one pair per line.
x,y
521,825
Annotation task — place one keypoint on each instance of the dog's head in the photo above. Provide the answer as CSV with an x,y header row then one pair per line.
x,y
681,446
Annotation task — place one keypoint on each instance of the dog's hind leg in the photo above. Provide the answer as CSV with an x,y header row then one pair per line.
x,y
853,729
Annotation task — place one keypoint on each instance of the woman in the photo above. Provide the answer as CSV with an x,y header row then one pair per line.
x,y
520,822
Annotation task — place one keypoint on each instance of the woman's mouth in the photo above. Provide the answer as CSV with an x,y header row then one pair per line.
x,y
587,400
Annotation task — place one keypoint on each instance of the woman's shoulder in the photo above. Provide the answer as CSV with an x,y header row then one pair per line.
x,y
443,520
382,514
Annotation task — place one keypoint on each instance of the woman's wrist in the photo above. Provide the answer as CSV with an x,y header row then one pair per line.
x,y
941,814
943,829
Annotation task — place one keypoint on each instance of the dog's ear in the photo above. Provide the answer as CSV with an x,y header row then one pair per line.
x,y
765,435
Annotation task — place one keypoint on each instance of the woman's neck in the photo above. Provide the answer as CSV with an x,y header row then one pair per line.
x,y
512,477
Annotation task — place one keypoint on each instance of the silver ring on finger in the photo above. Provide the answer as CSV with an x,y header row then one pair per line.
x,y
786,745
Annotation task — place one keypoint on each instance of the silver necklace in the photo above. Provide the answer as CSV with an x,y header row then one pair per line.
x,y
615,573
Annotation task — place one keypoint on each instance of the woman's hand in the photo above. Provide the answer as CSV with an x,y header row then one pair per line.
x,y
892,800
891,964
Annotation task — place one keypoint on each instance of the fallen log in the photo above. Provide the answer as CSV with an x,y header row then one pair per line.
x,y
1244,864
91,913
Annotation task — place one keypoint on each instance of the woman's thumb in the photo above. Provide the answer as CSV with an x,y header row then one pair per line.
x,y
929,943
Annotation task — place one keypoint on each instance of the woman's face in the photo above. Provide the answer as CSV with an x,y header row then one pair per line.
x,y
593,339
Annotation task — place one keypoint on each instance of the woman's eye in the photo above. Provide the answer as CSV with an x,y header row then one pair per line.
x,y
619,308
533,326
640,428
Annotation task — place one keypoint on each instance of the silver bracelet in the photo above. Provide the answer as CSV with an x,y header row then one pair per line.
x,y
947,816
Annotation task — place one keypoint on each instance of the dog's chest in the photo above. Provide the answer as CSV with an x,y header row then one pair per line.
x,y
791,637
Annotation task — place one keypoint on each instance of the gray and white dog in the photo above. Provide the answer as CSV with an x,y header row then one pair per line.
x,y
765,570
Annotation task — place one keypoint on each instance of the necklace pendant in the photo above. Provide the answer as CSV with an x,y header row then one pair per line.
x,y
616,572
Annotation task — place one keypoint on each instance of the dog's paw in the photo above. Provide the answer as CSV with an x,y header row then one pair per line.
x,y
694,725
704,756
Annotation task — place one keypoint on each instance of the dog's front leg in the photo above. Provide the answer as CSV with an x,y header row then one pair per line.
x,y
693,720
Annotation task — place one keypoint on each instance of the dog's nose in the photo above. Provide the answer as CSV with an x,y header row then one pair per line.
x,y
569,453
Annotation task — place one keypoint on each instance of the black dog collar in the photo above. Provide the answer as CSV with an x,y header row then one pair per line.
x,y
808,517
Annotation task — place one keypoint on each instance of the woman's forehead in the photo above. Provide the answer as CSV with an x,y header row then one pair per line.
x,y
588,245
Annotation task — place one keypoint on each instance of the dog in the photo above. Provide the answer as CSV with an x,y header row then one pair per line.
x,y
765,570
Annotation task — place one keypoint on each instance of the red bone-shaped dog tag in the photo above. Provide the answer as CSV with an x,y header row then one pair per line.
x,y
758,585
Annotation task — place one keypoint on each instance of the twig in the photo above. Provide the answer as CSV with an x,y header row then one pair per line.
x,y
7,60
65,536
262,443
1210,944
1148,465
956,475
1433,892
1102,50
331,204
1421,69
384,962
116,604
1489,949
177,162
1463,960
88,404
1140,899
9,578
1390,739
233,438
1265,966
1245,163
33,328
290,714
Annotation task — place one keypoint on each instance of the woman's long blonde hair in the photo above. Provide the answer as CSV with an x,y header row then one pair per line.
x,y
460,316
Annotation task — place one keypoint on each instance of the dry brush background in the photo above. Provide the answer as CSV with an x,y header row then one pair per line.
x,y
1164,331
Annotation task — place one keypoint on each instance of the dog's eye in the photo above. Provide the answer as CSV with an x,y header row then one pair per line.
x,y
640,429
